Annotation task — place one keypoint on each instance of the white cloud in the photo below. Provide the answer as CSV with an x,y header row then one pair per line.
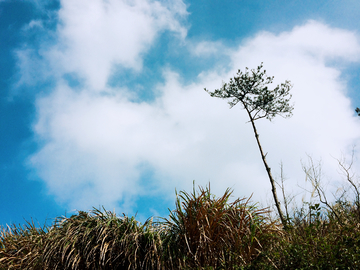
x,y
207,48
92,37
95,35
95,143
34,24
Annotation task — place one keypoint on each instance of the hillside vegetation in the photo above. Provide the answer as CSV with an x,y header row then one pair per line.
x,y
203,232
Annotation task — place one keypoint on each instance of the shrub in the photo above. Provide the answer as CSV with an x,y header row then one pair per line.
x,y
319,240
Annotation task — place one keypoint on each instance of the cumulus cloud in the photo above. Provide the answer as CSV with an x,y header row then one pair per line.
x,y
95,35
97,145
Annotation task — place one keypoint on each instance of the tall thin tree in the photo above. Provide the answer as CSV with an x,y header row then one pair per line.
x,y
250,88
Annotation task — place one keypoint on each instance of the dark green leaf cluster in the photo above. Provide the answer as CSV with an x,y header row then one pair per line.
x,y
250,88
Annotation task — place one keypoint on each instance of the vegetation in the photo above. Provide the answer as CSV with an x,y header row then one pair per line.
x,y
212,232
203,232
250,89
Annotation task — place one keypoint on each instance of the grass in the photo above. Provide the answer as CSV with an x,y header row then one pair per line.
x,y
207,231
101,240
320,240
203,232
22,247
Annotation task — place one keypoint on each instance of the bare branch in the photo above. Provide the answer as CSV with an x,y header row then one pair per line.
x,y
313,174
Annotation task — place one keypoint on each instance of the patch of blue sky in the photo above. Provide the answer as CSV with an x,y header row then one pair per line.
x,y
23,194
151,204
27,198
155,207
351,77
235,20
15,127
73,80
23,198
24,29
13,16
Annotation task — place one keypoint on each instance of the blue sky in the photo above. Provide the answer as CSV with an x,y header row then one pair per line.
x,y
102,102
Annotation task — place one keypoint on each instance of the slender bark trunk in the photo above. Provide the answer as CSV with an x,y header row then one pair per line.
x,y
268,170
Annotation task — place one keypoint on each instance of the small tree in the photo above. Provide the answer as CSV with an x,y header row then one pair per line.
x,y
251,90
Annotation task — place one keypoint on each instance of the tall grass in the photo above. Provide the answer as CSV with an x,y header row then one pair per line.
x,y
203,232
94,240
21,247
102,240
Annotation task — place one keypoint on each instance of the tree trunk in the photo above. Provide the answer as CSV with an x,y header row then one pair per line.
x,y
268,170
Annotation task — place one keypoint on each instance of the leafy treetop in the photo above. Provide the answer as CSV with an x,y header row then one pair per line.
x,y
251,90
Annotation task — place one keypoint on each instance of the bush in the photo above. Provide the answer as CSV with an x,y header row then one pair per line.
x,y
319,240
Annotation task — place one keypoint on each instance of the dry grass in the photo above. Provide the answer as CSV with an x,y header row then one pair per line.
x,y
205,231
22,247
101,240
95,240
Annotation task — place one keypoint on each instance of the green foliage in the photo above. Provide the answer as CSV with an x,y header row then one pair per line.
x,y
318,241
251,90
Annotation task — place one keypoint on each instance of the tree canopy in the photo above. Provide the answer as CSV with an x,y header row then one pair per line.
x,y
251,90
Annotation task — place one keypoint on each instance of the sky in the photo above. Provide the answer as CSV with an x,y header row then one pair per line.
x,y
102,102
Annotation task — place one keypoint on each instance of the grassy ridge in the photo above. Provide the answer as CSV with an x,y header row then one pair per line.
x,y
203,232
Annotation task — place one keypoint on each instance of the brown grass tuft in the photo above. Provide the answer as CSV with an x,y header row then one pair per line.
x,y
205,231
